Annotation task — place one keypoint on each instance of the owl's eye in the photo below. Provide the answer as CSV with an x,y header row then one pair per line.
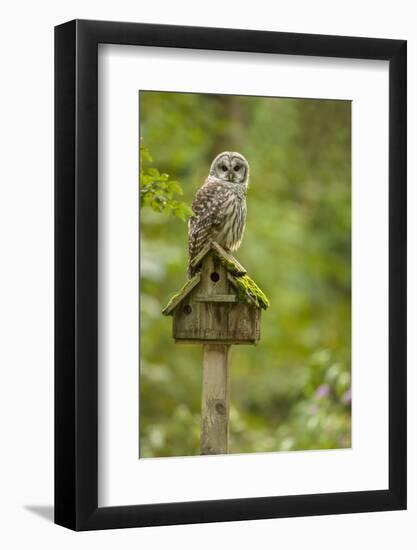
x,y
236,168
224,168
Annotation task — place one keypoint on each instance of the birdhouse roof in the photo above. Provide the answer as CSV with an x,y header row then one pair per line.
x,y
247,290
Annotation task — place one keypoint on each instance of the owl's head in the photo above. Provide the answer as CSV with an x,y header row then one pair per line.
x,y
230,166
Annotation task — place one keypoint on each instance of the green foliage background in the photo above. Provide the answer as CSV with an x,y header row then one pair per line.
x,y
292,391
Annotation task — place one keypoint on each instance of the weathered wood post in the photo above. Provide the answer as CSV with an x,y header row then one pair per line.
x,y
218,307
215,399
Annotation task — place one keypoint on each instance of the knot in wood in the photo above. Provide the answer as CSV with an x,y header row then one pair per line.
x,y
220,408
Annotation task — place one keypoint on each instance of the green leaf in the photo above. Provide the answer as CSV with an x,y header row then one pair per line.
x,y
157,191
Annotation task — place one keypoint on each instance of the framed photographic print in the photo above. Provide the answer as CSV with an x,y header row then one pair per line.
x,y
230,252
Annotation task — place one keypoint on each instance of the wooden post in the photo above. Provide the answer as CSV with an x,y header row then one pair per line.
x,y
215,404
218,307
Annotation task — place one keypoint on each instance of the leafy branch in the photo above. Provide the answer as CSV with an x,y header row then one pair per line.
x,y
157,191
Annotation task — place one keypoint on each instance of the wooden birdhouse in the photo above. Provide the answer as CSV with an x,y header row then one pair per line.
x,y
221,304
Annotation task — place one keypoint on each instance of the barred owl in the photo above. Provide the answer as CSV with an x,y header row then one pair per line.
x,y
219,206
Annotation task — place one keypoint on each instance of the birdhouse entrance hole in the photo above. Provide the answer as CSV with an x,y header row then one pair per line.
x,y
214,276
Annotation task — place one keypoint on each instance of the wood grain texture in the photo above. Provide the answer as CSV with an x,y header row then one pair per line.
x,y
199,257
218,298
215,402
210,311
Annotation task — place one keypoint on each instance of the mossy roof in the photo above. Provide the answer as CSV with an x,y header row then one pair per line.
x,y
246,289
178,297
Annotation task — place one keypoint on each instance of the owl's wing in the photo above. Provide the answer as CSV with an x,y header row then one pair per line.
x,y
208,208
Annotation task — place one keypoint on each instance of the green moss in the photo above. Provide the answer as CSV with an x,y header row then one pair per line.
x,y
175,296
232,266
245,286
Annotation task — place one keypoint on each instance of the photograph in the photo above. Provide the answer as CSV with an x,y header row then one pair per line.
x,y
245,274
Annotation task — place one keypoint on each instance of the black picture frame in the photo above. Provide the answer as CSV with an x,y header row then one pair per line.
x,y
76,272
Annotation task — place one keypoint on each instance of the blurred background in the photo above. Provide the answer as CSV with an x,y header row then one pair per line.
x,y
291,391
